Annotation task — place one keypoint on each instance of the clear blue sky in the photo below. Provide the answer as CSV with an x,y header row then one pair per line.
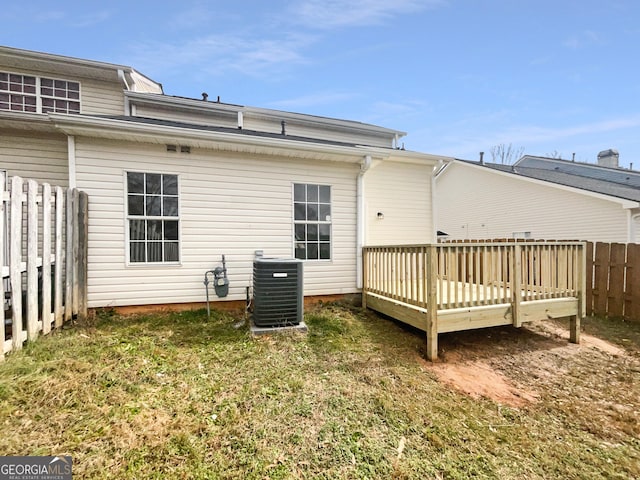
x,y
460,76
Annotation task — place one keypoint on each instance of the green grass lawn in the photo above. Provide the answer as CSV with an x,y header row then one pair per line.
x,y
176,395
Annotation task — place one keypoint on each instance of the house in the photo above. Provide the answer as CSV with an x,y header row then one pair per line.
x,y
175,183
540,198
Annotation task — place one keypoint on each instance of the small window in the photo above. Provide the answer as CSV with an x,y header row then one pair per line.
x,y
312,221
26,93
153,217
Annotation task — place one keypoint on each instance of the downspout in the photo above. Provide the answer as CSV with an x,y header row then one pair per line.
x,y
123,79
434,209
365,164
71,160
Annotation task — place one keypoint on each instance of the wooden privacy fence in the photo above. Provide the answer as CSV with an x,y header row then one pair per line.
x,y
43,244
614,278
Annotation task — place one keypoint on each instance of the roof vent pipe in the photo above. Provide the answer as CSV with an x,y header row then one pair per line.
x,y
573,157
205,95
283,124
481,158
240,121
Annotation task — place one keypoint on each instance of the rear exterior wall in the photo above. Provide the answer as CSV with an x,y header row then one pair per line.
x,y
475,203
401,193
230,204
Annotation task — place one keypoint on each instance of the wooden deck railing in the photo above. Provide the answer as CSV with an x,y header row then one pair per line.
x,y
473,274
456,281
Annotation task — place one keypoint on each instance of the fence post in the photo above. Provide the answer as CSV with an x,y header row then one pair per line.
x,y
32,260
632,300
68,261
46,258
432,303
2,237
516,284
589,278
83,235
15,260
574,320
76,250
57,297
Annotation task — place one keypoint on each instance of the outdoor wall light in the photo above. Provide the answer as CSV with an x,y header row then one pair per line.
x,y
380,216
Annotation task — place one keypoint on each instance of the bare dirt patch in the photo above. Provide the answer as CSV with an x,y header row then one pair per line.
x,y
512,366
479,379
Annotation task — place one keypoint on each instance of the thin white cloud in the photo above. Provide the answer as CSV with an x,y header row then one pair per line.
x,y
583,39
221,54
328,14
318,98
89,19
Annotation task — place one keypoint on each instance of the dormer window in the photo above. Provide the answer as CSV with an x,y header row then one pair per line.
x,y
28,93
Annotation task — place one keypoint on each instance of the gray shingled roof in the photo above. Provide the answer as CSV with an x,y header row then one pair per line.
x,y
617,183
621,176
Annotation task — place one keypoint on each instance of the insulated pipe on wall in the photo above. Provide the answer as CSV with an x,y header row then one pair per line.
x,y
365,164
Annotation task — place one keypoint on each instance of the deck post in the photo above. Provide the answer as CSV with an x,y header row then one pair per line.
x,y
432,303
574,320
365,276
516,285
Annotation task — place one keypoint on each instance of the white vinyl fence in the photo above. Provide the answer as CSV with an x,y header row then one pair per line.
x,y
43,246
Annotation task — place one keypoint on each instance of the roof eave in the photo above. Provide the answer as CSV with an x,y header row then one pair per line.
x,y
147,133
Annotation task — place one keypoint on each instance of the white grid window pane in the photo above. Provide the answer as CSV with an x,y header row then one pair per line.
x,y
152,210
312,221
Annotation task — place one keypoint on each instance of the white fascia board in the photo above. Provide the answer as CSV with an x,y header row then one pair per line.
x,y
319,120
140,132
195,104
185,104
623,202
25,121
408,156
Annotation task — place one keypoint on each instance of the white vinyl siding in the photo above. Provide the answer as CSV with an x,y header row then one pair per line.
x,y
230,204
402,193
102,98
42,157
477,203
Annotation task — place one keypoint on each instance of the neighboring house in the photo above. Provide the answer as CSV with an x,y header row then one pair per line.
x,y
174,183
540,198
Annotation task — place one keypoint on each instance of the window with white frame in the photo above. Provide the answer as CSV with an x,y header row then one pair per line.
x,y
153,217
312,221
28,93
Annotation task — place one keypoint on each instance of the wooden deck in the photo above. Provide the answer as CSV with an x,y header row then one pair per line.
x,y
452,287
